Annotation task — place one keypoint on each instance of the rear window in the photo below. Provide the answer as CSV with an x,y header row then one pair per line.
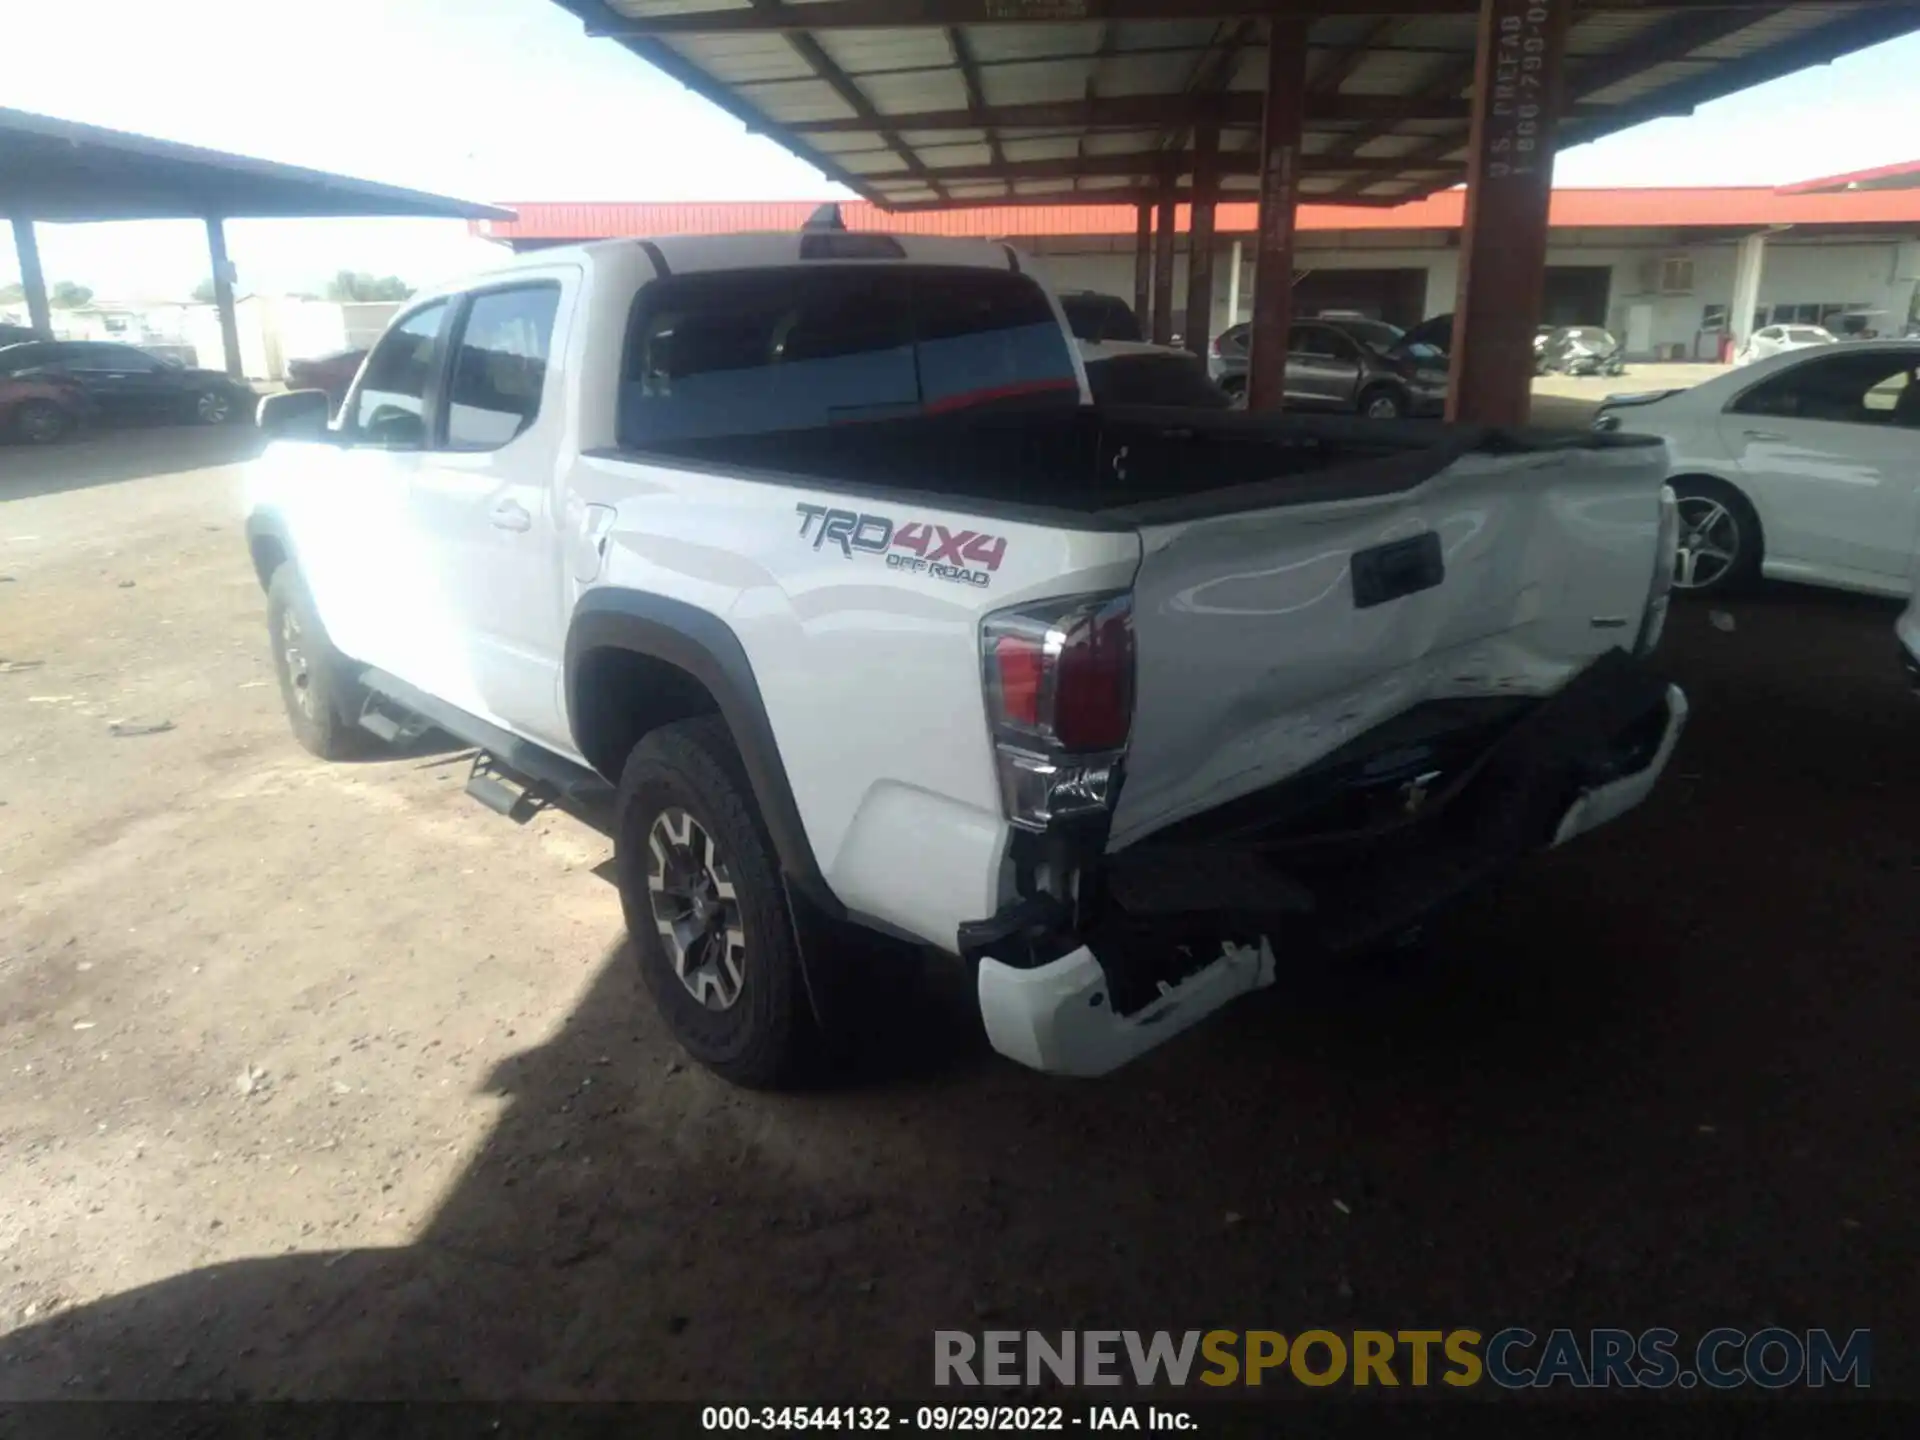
x,y
1101,317
737,353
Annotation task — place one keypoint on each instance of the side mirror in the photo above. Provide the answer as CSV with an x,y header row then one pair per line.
x,y
296,415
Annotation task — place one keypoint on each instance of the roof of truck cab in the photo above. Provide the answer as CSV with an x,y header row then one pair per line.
x,y
752,250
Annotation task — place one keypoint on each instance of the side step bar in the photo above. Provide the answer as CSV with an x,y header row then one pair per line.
x,y
511,776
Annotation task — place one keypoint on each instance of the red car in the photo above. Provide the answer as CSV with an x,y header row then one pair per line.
x,y
41,409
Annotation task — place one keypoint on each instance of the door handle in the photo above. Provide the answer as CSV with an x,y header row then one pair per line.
x,y
1764,435
510,515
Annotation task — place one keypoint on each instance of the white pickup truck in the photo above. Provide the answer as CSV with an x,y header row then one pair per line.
x,y
812,554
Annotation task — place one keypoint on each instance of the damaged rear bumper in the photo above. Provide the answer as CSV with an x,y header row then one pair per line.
x,y
1191,919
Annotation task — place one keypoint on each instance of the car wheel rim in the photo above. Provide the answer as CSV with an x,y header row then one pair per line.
x,y
213,407
1383,408
293,650
40,423
696,910
1709,543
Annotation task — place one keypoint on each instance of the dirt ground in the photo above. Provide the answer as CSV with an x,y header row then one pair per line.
x,y
325,1081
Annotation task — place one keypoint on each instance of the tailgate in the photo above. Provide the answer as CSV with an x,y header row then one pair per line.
x,y
1268,637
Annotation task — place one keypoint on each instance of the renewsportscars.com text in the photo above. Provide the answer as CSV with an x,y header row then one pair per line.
x,y
1511,1359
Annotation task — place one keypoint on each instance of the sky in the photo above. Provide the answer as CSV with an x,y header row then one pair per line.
x,y
509,100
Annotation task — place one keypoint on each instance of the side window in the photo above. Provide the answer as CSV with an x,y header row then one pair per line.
x,y
500,366
1847,389
390,405
1320,343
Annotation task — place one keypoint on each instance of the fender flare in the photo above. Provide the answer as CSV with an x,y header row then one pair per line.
x,y
704,645
265,525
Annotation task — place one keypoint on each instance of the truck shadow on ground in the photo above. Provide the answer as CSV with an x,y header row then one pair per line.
x,y
1661,1078
108,455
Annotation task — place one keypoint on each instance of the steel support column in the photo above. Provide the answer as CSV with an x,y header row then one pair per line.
x,y
1503,243
1750,260
1163,270
1143,266
223,295
1200,238
1279,199
32,278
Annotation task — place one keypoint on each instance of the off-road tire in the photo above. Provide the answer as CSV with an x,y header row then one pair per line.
x,y
322,700
767,1037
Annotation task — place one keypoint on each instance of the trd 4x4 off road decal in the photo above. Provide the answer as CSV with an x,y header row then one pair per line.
x,y
965,557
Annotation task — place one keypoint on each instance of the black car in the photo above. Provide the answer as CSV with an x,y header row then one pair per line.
x,y
1150,375
127,384
17,335
1329,368
1100,318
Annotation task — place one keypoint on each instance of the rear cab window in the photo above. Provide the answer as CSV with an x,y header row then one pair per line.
x,y
809,348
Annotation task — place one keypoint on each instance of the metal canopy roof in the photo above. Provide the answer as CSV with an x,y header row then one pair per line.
x,y
59,170
933,104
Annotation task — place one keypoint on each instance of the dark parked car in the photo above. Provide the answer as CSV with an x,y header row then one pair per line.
x,y
17,334
1100,318
332,373
1329,369
1582,350
40,409
129,384
1132,374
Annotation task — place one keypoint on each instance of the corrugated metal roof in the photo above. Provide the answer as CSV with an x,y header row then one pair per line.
x,y
837,85
1732,208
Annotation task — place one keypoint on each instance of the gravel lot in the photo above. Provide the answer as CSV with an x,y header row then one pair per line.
x,y
326,1081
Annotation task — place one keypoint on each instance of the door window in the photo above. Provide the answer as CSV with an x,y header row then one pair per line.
x,y
1853,389
1321,343
500,365
117,359
390,405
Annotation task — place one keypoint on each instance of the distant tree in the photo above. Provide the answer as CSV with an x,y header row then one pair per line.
x,y
203,293
9,294
68,296
351,285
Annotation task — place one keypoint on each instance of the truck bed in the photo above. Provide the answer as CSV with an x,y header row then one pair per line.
x,y
1117,467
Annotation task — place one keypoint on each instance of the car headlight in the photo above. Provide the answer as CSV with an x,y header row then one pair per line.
x,y
1666,550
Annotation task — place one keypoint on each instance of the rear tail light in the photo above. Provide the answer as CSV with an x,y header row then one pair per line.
x,y
1059,683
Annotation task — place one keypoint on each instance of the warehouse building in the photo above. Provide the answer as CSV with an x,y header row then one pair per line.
x,y
1678,274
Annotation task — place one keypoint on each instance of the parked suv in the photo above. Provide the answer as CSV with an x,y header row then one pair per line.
x,y
1329,368
810,558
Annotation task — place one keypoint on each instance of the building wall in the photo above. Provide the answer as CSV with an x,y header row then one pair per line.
x,y
1873,272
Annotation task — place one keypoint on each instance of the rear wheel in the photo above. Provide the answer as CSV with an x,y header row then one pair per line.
x,y
214,406
707,909
1720,543
1383,402
40,422
322,700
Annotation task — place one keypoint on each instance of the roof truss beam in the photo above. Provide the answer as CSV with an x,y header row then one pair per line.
x,y
911,14
1143,112
1148,164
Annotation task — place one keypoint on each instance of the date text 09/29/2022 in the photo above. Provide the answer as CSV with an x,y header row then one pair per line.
x,y
946,1419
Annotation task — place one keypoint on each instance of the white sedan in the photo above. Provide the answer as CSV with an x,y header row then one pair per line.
x,y
1771,340
1805,466
1909,632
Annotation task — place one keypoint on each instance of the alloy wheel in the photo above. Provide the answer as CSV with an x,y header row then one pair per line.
x,y
41,423
1709,543
213,407
695,909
